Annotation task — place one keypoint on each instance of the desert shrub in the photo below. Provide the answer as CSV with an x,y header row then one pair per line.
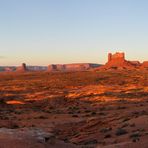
x,y
93,141
107,136
75,116
135,135
126,119
105,130
93,113
2,101
121,131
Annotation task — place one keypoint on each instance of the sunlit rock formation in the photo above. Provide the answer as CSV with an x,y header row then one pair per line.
x,y
144,65
22,68
118,61
71,67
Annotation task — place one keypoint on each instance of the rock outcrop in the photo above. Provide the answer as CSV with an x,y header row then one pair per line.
x,y
71,67
118,61
52,67
8,69
136,63
144,65
22,68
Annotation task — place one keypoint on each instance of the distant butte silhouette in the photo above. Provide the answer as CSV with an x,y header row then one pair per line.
x,y
22,68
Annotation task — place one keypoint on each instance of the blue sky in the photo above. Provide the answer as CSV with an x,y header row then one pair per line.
x,y
41,32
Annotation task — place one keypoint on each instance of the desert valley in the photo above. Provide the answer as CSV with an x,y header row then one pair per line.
x,y
73,74
75,105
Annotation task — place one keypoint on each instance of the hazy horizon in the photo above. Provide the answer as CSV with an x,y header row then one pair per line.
x,y
42,32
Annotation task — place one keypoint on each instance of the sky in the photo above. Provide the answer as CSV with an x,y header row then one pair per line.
x,y
42,32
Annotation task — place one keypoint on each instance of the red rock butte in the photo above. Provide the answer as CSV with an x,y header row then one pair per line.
x,y
22,68
118,61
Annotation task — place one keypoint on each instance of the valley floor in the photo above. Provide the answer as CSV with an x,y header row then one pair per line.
x,y
103,109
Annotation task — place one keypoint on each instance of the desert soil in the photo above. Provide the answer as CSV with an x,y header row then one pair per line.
x,y
104,109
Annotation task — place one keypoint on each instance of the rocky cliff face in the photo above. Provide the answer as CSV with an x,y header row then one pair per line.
x,y
118,61
71,67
